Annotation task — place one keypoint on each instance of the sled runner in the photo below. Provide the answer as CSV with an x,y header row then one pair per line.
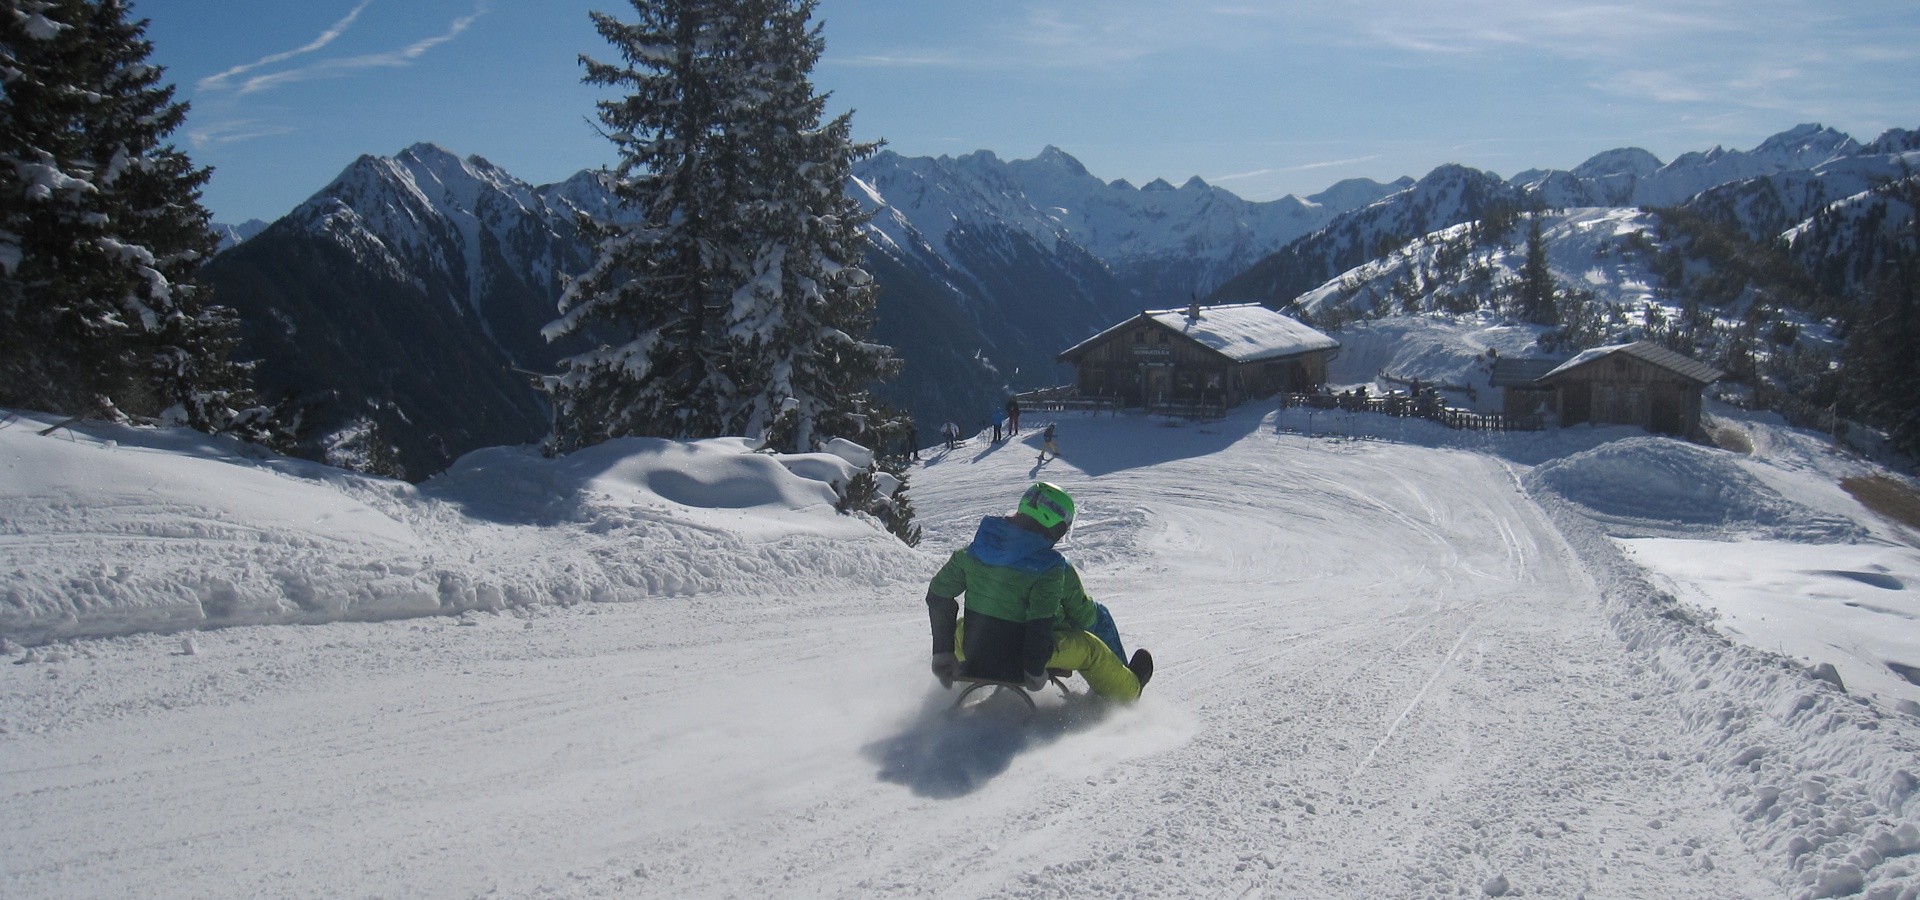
x,y
993,685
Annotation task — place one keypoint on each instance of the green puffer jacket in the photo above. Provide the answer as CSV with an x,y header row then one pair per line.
x,y
1013,574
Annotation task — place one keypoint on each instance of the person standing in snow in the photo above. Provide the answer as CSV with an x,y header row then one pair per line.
x,y
999,416
1026,611
1013,416
1046,444
951,432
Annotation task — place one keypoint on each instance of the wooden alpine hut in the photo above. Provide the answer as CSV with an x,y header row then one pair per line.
x,y
1207,356
1641,383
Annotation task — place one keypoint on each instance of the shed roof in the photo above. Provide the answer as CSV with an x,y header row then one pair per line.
x,y
1520,372
1685,366
1242,332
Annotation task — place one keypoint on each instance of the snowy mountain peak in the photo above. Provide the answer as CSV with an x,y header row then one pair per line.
x,y
1630,176
233,234
1061,159
978,159
431,154
1454,176
1158,184
1894,140
1196,183
1353,193
1806,146
1631,161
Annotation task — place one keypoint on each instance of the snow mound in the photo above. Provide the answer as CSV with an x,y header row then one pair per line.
x,y
1652,487
112,530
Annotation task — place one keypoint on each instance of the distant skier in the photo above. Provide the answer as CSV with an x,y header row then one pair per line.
x,y
951,432
999,417
1013,415
1046,444
1026,610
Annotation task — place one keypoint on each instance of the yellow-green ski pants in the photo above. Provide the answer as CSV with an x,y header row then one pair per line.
x,y
1083,653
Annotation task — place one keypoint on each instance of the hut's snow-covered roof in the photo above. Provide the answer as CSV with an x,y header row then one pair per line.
x,y
1679,364
1242,332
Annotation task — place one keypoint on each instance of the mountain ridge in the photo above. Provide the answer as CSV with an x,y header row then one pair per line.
x,y
988,267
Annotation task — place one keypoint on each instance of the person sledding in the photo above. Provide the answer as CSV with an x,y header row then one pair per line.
x,y
1026,612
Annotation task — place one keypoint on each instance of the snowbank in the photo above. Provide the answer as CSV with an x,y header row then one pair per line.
x,y
1816,777
1647,486
1782,626
106,530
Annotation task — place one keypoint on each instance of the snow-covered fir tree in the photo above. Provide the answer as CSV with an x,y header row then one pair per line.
x,y
101,229
731,298
1534,293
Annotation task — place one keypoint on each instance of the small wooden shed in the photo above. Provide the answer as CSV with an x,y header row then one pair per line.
x,y
1523,399
1641,383
1211,355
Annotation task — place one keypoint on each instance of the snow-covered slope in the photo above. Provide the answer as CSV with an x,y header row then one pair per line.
x,y
1422,667
1762,192
1449,195
1603,251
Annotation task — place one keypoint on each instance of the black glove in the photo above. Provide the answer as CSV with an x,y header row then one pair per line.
x,y
1037,682
946,667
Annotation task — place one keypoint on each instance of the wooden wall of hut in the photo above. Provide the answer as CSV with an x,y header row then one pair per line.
x,y
1150,365
1622,390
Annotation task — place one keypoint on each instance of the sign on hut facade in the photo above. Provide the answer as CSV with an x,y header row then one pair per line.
x,y
1206,356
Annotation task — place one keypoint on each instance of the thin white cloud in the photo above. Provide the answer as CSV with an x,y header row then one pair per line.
x,y
1304,167
897,61
233,130
220,81
1573,30
345,65
1063,35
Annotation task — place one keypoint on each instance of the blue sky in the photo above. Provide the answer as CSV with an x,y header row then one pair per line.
x,y
1262,97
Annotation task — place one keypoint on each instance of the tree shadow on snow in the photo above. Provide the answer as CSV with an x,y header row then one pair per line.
x,y
943,753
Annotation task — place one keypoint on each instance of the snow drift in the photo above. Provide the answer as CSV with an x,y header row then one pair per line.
x,y
1644,486
116,530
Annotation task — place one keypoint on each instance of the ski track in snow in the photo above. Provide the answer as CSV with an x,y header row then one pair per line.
x,y
1384,671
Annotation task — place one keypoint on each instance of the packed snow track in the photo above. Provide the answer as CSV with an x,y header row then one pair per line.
x,y
1384,671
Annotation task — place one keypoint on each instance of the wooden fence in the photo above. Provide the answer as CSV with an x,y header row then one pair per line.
x,y
1054,399
1062,397
1411,408
1397,405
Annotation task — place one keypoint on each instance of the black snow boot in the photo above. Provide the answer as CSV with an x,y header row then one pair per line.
x,y
1141,666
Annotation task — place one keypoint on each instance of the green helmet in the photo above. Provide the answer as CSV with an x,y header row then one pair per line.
x,y
1048,505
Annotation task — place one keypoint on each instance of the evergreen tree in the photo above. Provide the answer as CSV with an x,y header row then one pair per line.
x,y
1536,287
1878,363
732,291
101,230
